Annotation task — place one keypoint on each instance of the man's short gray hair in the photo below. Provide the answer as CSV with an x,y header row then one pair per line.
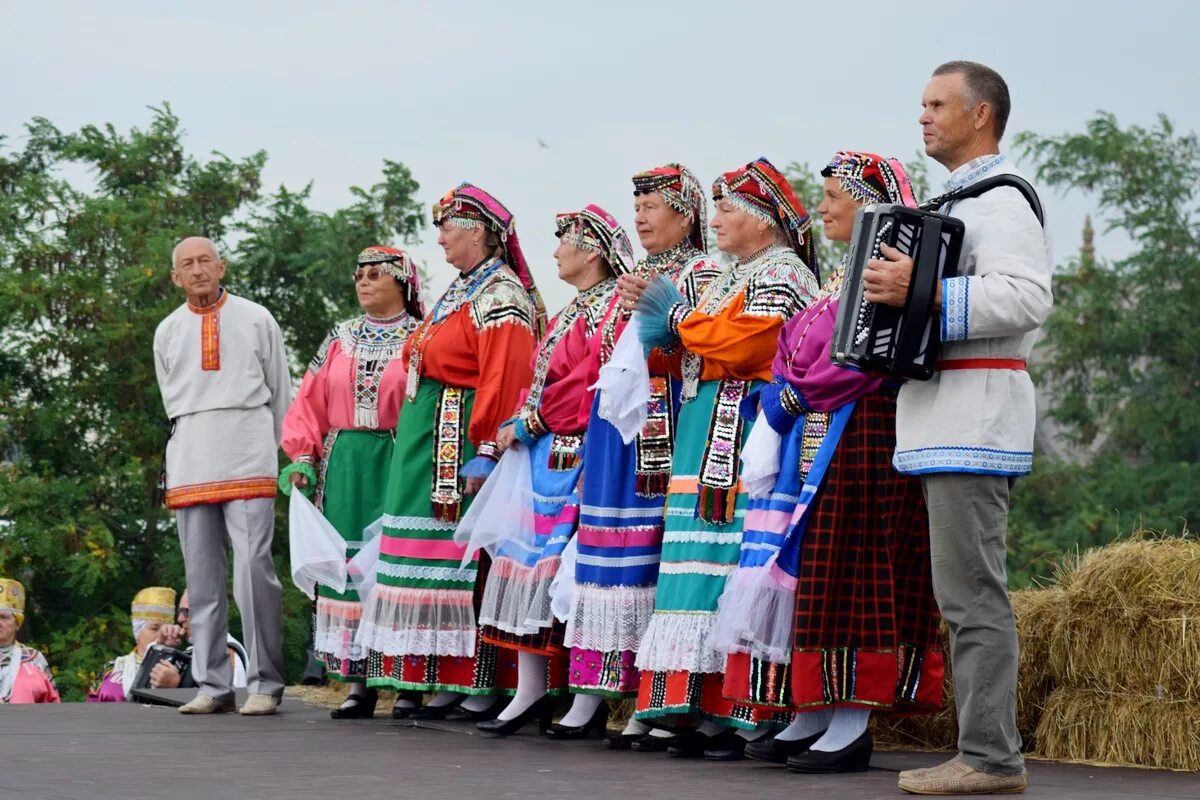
x,y
211,243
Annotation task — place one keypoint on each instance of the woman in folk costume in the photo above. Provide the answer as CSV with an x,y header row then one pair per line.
x,y
548,431
728,340
25,676
839,536
466,366
152,608
338,433
625,485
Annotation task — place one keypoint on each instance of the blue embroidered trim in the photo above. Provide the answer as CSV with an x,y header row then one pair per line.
x,y
974,170
956,300
978,460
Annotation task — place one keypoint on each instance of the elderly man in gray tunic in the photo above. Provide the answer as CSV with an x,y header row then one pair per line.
x,y
968,432
224,380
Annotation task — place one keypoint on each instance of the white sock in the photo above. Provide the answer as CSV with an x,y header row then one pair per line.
x,y
359,690
711,729
805,724
847,725
661,733
403,702
751,735
531,684
479,702
444,699
582,710
637,728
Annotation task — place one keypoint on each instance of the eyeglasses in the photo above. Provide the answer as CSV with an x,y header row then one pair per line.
x,y
370,273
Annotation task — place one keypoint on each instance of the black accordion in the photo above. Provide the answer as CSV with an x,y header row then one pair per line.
x,y
181,660
905,341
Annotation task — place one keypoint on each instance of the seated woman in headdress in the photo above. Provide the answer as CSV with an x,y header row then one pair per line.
x,y
152,608
24,674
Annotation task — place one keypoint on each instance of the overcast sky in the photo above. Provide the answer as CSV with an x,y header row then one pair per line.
x,y
463,91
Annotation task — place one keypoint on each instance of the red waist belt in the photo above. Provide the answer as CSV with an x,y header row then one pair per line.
x,y
981,363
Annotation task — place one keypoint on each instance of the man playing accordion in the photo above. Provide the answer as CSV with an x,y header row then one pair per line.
x,y
968,431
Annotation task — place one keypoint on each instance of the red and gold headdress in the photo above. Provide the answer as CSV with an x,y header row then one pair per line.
x,y
399,265
762,191
869,178
682,192
596,230
467,206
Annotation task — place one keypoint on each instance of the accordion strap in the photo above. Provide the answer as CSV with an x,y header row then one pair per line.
x,y
987,184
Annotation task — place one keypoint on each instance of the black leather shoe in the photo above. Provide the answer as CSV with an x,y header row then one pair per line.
x,y
688,745
597,723
404,712
437,712
357,706
652,744
542,710
726,746
622,741
488,713
854,757
779,750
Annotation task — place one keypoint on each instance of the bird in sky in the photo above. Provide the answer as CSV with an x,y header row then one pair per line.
x,y
542,144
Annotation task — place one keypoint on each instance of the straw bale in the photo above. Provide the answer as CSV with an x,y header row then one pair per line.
x,y
1120,729
1036,611
1132,619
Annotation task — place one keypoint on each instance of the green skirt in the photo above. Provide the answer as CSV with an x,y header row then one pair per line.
x,y
351,491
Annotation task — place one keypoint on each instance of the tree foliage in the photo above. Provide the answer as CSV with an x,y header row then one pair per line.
x,y
84,281
1120,350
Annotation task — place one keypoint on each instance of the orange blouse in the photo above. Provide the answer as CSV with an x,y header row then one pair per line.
x,y
487,345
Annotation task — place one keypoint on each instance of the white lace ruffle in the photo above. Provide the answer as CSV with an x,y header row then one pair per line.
x,y
608,619
336,625
516,598
420,622
677,642
754,615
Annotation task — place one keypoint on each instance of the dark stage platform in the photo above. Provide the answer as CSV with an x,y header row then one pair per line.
x,y
130,751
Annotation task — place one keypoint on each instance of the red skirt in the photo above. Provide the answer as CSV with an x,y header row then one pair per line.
x,y
866,621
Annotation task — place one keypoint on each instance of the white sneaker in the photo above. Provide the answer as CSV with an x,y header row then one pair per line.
x,y
206,704
259,705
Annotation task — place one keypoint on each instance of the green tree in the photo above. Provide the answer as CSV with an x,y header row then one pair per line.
x,y
1121,347
84,280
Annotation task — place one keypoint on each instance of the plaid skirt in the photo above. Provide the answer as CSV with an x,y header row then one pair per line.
x,y
866,624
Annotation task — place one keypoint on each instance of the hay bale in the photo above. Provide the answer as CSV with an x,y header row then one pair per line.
x,y
1036,611
1132,620
1120,729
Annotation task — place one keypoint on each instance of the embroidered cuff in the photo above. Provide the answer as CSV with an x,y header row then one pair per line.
x,y
304,459
956,307
793,402
488,450
529,428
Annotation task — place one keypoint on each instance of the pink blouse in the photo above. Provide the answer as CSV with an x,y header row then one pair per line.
x,y
356,381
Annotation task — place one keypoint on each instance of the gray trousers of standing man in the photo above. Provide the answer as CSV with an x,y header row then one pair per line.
x,y
206,533
968,522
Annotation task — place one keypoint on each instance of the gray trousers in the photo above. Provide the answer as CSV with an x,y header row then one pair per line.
x,y
206,533
968,520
